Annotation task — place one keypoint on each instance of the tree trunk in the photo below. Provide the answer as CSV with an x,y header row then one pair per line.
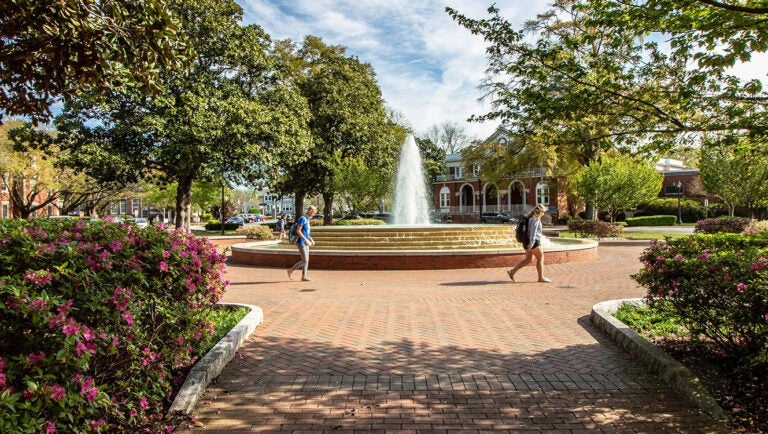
x,y
184,203
328,208
298,204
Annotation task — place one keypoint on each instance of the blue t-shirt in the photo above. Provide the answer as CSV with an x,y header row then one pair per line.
x,y
280,225
304,222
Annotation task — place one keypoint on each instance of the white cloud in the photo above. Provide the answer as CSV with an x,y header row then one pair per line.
x,y
428,66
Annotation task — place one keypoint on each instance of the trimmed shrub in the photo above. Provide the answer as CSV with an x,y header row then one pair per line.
x,y
217,226
359,222
256,232
595,228
654,220
97,322
718,285
731,225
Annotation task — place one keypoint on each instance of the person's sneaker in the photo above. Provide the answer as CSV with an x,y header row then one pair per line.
x,y
545,280
290,277
306,279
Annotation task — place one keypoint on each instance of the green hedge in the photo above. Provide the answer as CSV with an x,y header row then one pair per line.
x,y
653,220
217,226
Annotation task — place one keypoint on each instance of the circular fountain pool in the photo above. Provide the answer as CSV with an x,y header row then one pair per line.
x,y
411,247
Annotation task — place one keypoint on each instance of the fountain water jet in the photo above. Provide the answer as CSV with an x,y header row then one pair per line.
x,y
411,200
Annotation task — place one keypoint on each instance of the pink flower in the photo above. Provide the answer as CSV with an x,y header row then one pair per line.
x,y
128,318
143,402
166,254
704,256
756,267
741,287
727,278
70,328
34,358
50,428
678,258
39,304
57,392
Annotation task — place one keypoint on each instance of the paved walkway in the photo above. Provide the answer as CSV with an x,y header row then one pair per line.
x,y
441,351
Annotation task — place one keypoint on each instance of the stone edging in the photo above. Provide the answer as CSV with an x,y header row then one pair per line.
x,y
211,365
672,371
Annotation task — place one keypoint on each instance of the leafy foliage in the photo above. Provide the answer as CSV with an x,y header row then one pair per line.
x,y
618,183
56,49
718,285
98,320
731,225
595,228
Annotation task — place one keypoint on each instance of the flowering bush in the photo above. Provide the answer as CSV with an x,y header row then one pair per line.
x,y
595,228
756,227
98,320
732,225
718,285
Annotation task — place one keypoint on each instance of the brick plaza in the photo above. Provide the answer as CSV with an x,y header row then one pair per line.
x,y
441,351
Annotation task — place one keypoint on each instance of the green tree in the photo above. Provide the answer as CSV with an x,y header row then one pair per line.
x,y
735,170
348,120
619,183
29,173
54,49
231,115
358,186
432,158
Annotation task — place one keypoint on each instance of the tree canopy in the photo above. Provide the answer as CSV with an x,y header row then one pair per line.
x,y
52,49
231,116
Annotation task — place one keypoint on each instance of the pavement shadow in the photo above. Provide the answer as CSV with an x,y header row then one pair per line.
x,y
289,384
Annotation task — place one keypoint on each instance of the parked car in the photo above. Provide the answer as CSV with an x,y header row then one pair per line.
x,y
492,217
236,220
318,217
140,222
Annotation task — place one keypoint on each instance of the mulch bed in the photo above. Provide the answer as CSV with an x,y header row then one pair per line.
x,y
742,393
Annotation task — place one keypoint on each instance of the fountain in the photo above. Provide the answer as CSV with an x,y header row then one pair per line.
x,y
412,242
411,201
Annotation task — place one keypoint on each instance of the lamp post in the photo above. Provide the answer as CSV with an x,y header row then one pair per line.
x,y
679,186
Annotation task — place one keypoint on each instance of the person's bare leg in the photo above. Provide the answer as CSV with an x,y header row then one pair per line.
x,y
539,254
523,262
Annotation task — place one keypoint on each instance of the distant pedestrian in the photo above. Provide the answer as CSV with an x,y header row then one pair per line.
x,y
280,226
303,242
532,245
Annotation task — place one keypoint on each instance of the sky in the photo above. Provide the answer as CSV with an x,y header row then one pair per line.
x,y
428,67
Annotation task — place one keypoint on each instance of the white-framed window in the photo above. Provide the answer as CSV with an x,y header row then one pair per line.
x,y
458,172
5,210
122,207
3,187
542,193
475,169
445,198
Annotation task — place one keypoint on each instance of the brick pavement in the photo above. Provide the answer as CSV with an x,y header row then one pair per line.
x,y
441,351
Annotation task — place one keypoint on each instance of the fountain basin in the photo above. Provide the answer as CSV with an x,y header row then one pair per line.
x,y
411,248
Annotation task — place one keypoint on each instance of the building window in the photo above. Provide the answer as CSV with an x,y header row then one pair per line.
x,y
122,207
5,210
542,193
458,172
50,209
475,169
445,198
4,187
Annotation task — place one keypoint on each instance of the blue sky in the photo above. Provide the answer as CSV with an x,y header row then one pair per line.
x,y
428,67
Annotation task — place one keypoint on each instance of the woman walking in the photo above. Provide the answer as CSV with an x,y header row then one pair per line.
x,y
303,242
532,245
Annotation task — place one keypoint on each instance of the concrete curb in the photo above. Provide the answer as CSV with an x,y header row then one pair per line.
x,y
672,371
211,365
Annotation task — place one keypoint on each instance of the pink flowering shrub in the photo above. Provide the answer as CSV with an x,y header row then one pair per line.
x,y
595,228
98,320
718,285
732,225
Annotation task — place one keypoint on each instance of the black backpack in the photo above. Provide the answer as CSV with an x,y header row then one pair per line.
x,y
521,232
292,235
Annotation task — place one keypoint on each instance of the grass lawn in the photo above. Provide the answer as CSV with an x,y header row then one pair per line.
x,y
650,235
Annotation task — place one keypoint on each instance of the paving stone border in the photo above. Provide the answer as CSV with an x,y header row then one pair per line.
x,y
211,365
672,371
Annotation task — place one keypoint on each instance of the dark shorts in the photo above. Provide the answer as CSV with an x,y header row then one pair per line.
x,y
536,243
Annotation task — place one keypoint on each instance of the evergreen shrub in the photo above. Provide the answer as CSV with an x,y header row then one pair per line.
x,y
653,220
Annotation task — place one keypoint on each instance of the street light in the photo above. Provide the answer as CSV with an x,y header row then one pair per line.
x,y
679,186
